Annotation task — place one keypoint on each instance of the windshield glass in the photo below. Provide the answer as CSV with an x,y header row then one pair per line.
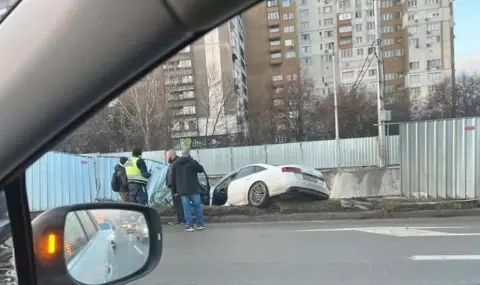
x,y
6,6
381,96
105,226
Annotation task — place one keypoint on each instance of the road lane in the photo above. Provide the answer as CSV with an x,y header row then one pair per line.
x,y
129,255
334,252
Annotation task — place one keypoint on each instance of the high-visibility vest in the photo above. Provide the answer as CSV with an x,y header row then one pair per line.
x,y
134,174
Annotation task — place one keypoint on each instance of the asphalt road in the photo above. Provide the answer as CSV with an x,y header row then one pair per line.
x,y
129,255
370,252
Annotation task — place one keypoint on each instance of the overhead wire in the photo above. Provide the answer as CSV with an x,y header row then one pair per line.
x,y
363,70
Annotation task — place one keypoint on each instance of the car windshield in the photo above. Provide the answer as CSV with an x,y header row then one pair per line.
x,y
381,96
6,6
105,226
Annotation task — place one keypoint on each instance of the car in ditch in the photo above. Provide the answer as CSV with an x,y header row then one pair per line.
x,y
256,184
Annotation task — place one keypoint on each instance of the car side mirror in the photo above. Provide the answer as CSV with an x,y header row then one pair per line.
x,y
79,244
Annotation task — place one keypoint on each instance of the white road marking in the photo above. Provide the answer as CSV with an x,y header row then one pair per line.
x,y
138,250
399,231
443,257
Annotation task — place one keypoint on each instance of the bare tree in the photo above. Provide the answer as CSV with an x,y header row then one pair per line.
x,y
439,102
263,118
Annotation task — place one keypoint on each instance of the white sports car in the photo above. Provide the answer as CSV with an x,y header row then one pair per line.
x,y
255,184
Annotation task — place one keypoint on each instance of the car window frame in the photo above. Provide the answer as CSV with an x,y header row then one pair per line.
x,y
244,168
89,220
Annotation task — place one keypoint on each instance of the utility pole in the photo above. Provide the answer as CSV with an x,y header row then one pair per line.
x,y
335,104
380,86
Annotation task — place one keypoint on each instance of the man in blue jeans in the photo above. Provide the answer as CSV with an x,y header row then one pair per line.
x,y
184,181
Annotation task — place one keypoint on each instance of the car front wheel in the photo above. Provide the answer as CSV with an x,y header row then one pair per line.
x,y
258,195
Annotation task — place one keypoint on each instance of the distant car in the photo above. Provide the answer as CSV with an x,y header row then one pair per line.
x,y
255,184
110,230
131,228
142,229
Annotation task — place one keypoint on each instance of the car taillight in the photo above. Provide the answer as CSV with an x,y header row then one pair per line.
x,y
291,169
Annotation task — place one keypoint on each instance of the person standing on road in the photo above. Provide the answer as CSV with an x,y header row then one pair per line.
x,y
177,200
137,175
184,181
119,181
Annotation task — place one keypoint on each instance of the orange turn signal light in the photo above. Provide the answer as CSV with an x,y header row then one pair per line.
x,y
49,245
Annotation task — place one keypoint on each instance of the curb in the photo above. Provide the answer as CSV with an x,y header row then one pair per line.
x,y
335,216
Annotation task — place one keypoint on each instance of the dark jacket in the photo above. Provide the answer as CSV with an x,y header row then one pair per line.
x,y
184,176
121,177
168,181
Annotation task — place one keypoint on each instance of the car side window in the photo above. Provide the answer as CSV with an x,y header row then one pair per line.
x,y
245,172
75,238
88,223
259,168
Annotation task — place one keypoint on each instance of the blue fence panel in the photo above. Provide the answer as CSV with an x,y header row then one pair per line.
x,y
58,179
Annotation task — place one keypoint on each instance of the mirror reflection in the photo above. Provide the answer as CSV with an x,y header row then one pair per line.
x,y
105,245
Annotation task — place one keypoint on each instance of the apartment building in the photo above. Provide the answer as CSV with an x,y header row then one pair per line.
x,y
206,85
416,37
272,52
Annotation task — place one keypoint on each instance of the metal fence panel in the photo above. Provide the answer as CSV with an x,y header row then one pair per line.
x,y
58,179
246,155
215,160
319,154
440,158
288,153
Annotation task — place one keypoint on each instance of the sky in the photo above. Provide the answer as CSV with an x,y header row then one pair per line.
x,y
467,35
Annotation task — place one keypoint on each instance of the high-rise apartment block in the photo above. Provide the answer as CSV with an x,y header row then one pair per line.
x,y
416,40
271,50
206,85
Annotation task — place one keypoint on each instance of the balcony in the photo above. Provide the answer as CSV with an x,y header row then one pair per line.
x,y
275,48
275,22
274,36
184,134
276,61
277,84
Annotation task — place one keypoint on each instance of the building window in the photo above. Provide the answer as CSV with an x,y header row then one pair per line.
x,y
327,9
372,72
344,3
387,42
290,54
415,91
273,16
288,16
289,29
358,40
329,34
371,13
328,21
392,53
303,2
370,38
346,41
277,77
386,3
358,15
431,2
274,30
275,43
305,37
433,15
286,3
413,78
278,89
288,43
306,60
387,29
276,55
306,49
348,75
358,27
304,13
192,125
414,42
329,46
370,25
345,16
345,29
412,30
433,26
272,3
434,63
436,76
359,51
412,3
346,53
433,40
414,65
304,25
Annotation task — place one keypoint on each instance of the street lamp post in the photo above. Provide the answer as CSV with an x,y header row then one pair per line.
x,y
335,104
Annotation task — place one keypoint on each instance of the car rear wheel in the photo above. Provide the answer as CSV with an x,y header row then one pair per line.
x,y
258,195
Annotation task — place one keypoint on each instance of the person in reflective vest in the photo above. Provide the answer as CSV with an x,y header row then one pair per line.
x,y
137,176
